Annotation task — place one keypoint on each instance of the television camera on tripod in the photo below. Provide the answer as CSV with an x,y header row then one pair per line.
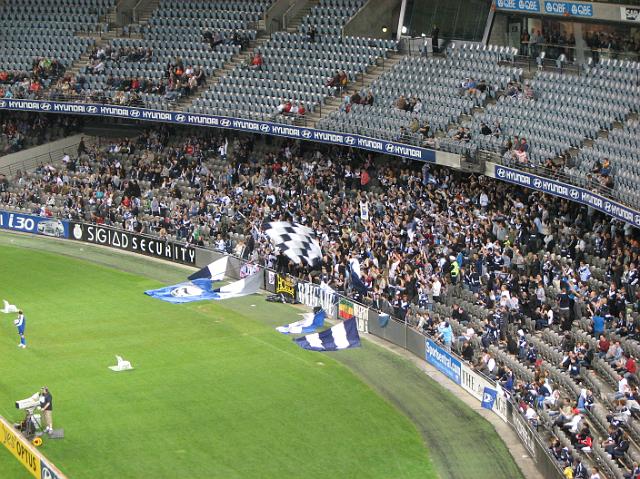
x,y
31,425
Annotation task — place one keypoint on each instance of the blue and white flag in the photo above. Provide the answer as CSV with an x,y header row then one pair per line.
x,y
196,290
310,324
214,271
489,397
341,336
355,277
203,289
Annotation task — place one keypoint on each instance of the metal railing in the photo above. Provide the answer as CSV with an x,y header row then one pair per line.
x,y
37,161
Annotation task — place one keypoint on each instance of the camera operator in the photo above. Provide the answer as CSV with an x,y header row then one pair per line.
x,y
46,404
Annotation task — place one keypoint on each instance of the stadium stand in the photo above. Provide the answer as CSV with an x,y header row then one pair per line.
x,y
182,45
22,130
295,68
441,88
37,31
619,148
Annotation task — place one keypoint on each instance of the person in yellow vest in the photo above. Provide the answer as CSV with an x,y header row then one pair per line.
x,y
455,271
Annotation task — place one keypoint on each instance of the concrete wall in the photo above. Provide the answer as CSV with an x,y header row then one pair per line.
x,y
374,15
611,12
273,16
55,148
451,160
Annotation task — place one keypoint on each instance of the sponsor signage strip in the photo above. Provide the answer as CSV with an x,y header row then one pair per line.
x,y
38,465
525,433
518,5
136,243
568,8
239,124
34,224
569,192
444,361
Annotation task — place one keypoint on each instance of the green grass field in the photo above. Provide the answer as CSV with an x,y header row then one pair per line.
x,y
216,391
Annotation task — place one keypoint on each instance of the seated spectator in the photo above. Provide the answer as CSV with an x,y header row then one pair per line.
x,y
256,62
618,450
469,86
285,107
485,130
334,81
311,33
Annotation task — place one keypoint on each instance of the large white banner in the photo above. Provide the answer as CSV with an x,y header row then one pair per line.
x,y
474,383
313,295
362,316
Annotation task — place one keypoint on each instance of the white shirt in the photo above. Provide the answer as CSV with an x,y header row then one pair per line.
x,y
435,289
491,364
623,386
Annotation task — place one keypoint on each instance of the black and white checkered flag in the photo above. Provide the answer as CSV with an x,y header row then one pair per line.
x,y
296,241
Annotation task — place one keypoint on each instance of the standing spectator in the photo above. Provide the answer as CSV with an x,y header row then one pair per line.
x,y
46,404
435,38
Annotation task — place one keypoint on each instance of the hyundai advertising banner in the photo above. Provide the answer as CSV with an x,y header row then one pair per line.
x,y
34,224
569,192
250,126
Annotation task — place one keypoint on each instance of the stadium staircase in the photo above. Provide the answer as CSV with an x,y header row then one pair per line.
x,y
295,21
363,82
244,57
144,14
83,60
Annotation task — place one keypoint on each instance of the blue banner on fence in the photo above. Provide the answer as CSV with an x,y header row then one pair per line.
x,y
519,5
568,8
239,124
34,224
569,192
443,361
489,397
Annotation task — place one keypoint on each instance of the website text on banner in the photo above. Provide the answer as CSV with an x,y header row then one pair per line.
x,y
239,124
444,361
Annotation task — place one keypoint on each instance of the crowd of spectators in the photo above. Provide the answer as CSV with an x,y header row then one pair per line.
x,y
29,84
100,57
181,79
599,43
